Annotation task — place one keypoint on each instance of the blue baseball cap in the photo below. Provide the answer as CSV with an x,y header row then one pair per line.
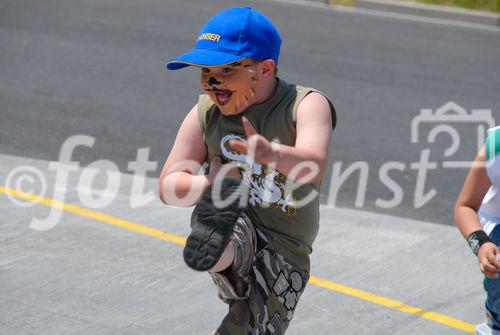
x,y
231,35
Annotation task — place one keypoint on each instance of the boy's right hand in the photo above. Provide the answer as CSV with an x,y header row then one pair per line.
x,y
218,169
487,257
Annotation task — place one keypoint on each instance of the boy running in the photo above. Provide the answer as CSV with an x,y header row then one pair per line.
x,y
266,144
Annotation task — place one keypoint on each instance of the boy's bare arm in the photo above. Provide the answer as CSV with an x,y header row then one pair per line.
x,y
475,187
314,132
179,185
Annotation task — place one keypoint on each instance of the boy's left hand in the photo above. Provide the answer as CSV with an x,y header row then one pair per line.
x,y
487,260
257,146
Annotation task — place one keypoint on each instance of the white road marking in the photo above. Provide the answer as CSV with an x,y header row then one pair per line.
x,y
391,15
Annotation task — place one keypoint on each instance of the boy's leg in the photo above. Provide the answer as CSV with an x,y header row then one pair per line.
x,y
212,225
262,300
233,282
261,287
492,288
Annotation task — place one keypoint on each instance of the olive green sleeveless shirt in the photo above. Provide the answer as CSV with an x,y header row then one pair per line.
x,y
272,206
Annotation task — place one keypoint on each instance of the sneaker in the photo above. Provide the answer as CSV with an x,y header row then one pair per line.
x,y
213,226
486,328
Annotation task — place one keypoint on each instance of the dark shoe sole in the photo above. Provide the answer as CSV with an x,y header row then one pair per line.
x,y
213,227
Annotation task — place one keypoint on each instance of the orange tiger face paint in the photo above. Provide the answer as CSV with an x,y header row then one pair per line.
x,y
232,87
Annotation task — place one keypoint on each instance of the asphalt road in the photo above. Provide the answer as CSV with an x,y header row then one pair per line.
x,y
119,270
96,67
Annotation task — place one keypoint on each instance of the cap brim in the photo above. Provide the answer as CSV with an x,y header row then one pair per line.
x,y
202,58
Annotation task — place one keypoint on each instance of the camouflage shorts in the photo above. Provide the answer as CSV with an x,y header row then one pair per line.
x,y
262,287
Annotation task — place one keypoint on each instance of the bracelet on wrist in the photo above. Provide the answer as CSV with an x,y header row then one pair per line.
x,y
476,240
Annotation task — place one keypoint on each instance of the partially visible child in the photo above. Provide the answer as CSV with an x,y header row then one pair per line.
x,y
477,214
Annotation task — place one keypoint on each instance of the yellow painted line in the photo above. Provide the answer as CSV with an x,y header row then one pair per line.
x,y
392,304
327,284
95,216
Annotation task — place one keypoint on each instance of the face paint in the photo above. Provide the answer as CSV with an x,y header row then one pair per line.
x,y
232,87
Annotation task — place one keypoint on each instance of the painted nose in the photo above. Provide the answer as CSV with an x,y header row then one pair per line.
x,y
212,81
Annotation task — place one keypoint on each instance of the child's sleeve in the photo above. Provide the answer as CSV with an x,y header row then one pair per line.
x,y
493,157
204,104
493,143
302,93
